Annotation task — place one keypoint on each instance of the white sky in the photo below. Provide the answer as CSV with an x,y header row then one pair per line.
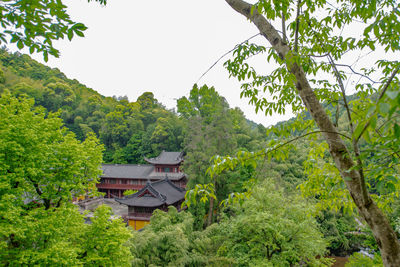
x,y
159,46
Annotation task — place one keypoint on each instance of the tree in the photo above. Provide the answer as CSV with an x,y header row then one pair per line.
x,y
272,229
300,77
104,241
40,160
165,241
42,167
35,24
209,132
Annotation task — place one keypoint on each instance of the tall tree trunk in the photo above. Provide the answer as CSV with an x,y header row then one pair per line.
x,y
384,234
211,207
210,212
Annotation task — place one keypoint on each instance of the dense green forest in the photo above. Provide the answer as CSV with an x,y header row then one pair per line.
x,y
204,125
323,183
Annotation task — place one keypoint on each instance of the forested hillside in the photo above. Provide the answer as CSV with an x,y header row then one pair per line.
x,y
129,130
203,126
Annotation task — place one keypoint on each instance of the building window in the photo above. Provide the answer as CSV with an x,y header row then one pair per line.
x,y
166,170
123,181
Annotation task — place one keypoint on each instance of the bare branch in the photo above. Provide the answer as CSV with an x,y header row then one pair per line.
x,y
304,135
355,72
227,53
354,140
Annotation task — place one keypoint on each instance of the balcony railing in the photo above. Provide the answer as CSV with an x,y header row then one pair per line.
x,y
119,186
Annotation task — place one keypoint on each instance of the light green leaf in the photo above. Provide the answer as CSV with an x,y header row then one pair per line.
x,y
392,94
384,108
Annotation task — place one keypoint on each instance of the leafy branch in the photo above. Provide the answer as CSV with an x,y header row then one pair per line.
x,y
384,89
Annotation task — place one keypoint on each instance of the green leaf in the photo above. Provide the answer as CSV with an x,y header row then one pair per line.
x,y
20,44
391,187
79,33
372,123
366,136
380,186
70,34
397,130
358,130
384,108
392,94
79,26
45,56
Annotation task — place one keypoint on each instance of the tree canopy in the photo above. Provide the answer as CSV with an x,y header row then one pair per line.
x,y
43,166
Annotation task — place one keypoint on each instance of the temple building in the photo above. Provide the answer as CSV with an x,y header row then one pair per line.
x,y
118,178
154,195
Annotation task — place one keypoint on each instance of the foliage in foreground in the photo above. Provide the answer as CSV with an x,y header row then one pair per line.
x,y
306,73
42,166
360,260
269,229
272,229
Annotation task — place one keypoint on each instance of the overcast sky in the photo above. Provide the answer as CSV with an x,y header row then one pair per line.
x,y
161,46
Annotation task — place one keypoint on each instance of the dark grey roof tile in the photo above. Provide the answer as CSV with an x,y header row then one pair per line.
x,y
126,171
168,158
163,192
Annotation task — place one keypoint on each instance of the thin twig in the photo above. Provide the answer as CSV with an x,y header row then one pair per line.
x,y
224,55
355,72
383,124
323,55
302,136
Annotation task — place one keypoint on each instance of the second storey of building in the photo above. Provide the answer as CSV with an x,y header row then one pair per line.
x,y
117,178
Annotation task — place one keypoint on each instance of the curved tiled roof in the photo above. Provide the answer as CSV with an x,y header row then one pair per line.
x,y
168,158
173,176
131,171
162,192
126,171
